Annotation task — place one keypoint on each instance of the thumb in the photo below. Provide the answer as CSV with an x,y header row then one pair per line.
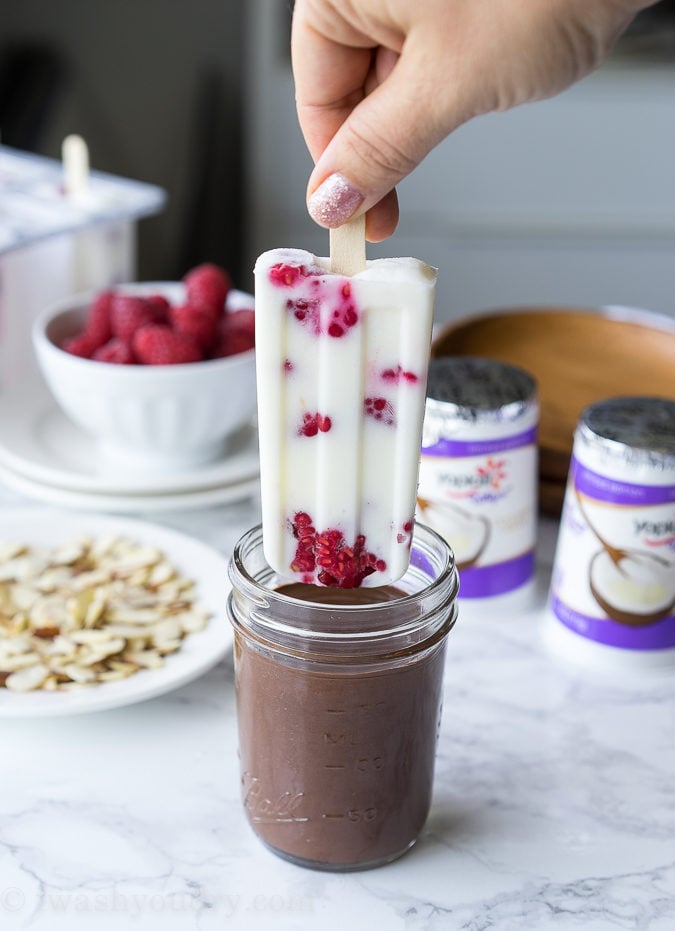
x,y
381,141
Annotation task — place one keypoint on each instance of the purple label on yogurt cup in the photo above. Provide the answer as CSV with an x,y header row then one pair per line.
x,y
449,447
613,491
502,577
657,636
420,561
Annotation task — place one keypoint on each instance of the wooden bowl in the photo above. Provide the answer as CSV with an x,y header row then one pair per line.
x,y
577,356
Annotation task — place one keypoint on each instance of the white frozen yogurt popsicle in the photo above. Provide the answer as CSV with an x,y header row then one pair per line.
x,y
342,367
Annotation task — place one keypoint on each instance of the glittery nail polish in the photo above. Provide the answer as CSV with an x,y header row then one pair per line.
x,y
334,201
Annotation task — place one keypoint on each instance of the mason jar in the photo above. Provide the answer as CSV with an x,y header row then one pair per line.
x,y
338,703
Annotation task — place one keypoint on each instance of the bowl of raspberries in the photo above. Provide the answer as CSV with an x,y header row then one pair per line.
x,y
160,373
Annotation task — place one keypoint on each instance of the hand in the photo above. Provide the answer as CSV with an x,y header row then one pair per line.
x,y
379,83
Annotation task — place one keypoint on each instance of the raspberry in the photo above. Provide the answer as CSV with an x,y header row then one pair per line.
x,y
160,305
405,533
285,276
98,325
240,320
399,374
305,534
338,565
236,333
115,350
380,409
307,312
306,309
345,315
207,285
81,345
128,314
158,344
313,423
197,322
230,344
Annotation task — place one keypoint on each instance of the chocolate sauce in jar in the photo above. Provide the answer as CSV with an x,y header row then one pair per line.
x,y
338,723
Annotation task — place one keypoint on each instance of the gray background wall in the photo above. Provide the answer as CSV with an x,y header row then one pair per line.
x,y
155,87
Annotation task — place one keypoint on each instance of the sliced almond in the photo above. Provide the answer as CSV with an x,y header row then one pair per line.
x,y
114,675
192,622
164,647
149,659
9,551
46,633
69,553
26,680
160,574
89,611
168,629
94,653
77,673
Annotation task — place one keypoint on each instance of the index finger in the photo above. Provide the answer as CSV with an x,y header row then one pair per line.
x,y
330,78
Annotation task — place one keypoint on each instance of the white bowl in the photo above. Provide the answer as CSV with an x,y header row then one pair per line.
x,y
147,417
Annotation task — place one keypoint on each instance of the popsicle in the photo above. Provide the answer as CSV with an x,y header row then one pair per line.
x,y
341,368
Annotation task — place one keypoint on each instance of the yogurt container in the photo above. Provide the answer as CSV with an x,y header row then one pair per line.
x,y
612,597
478,471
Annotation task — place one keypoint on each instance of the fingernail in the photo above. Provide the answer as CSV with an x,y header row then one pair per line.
x,y
334,201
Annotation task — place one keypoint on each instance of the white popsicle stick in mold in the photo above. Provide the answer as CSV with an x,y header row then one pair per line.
x,y
75,158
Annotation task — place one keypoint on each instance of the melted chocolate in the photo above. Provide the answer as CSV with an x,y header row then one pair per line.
x,y
337,762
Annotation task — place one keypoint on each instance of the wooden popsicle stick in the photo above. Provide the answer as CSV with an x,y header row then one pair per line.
x,y
348,247
75,158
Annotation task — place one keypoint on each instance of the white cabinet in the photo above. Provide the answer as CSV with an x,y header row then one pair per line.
x,y
566,201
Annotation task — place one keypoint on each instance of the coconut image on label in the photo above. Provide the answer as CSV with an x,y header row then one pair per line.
x,y
468,533
636,589
631,587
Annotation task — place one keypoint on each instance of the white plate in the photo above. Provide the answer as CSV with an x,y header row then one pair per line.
x,y
128,504
41,444
198,653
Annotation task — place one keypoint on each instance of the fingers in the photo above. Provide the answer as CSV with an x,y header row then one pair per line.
x,y
382,219
375,145
335,68
330,79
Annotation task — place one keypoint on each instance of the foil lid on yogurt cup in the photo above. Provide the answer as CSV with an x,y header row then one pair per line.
x,y
476,393
633,431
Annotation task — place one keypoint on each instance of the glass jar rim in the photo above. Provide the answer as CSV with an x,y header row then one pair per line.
x,y
276,619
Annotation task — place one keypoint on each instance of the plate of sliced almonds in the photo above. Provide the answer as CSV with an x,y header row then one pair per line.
x,y
97,612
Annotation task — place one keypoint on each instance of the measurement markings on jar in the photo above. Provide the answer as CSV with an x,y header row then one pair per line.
x,y
353,815
261,819
342,739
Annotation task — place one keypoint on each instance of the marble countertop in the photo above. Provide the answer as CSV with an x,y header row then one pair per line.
x,y
554,802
